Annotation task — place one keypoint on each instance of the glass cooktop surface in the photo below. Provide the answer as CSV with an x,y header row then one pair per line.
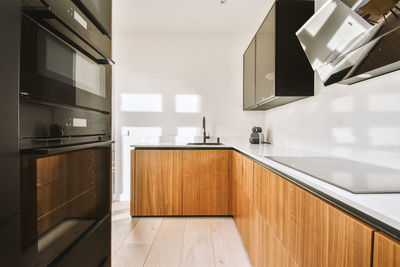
x,y
353,176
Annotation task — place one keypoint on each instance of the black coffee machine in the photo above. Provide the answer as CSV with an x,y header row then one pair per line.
x,y
256,136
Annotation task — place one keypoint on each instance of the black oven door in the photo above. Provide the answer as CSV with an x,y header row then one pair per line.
x,y
65,193
52,70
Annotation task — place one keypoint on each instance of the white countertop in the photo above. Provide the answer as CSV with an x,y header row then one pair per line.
x,y
383,207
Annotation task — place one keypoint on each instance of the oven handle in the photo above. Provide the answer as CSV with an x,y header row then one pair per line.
x,y
57,150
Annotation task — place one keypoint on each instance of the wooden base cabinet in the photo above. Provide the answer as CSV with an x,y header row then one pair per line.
x,y
386,251
205,182
242,203
179,182
280,223
285,225
157,183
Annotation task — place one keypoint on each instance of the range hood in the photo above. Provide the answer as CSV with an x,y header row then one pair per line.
x,y
348,43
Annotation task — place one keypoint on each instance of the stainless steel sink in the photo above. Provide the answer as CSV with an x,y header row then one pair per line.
x,y
205,144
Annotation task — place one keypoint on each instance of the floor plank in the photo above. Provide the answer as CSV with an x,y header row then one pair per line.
x,y
122,225
145,231
182,241
137,244
131,255
197,243
228,246
167,247
120,205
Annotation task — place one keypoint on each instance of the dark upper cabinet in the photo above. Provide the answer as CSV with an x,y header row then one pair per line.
x,y
281,71
249,77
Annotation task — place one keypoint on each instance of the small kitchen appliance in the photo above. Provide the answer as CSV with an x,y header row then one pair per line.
x,y
256,136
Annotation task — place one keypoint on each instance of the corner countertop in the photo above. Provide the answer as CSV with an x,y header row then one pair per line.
x,y
379,210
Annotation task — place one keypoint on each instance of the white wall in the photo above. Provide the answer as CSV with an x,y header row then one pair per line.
x,y
206,66
360,121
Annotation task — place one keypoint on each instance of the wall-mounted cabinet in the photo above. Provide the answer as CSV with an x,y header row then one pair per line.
x,y
275,67
249,76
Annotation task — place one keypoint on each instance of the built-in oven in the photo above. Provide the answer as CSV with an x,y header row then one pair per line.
x,y
52,70
65,155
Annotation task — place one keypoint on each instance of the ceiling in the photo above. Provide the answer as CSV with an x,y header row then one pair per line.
x,y
194,16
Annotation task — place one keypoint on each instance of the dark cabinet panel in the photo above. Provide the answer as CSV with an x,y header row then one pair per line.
x,y
9,69
9,162
10,242
294,75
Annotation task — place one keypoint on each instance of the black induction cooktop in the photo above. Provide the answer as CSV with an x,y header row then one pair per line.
x,y
353,176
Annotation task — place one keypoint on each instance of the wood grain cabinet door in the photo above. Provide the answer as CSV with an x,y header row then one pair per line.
x,y
242,172
386,251
314,232
205,182
318,234
158,183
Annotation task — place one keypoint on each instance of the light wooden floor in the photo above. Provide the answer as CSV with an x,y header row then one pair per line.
x,y
175,241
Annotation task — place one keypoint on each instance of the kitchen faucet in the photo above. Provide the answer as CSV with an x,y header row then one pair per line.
x,y
205,137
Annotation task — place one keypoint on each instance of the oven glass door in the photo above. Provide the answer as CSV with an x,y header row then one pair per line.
x,y
51,70
62,196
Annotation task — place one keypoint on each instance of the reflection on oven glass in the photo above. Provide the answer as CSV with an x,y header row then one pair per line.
x,y
90,76
51,52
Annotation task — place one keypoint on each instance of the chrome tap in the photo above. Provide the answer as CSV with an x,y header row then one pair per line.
x,y
205,137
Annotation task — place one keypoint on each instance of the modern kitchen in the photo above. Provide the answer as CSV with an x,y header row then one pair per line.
x,y
200,133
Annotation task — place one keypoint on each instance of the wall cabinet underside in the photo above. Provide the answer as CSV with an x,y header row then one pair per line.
x,y
280,223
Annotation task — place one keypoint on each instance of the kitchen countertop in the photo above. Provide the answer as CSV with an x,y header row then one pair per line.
x,y
379,210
